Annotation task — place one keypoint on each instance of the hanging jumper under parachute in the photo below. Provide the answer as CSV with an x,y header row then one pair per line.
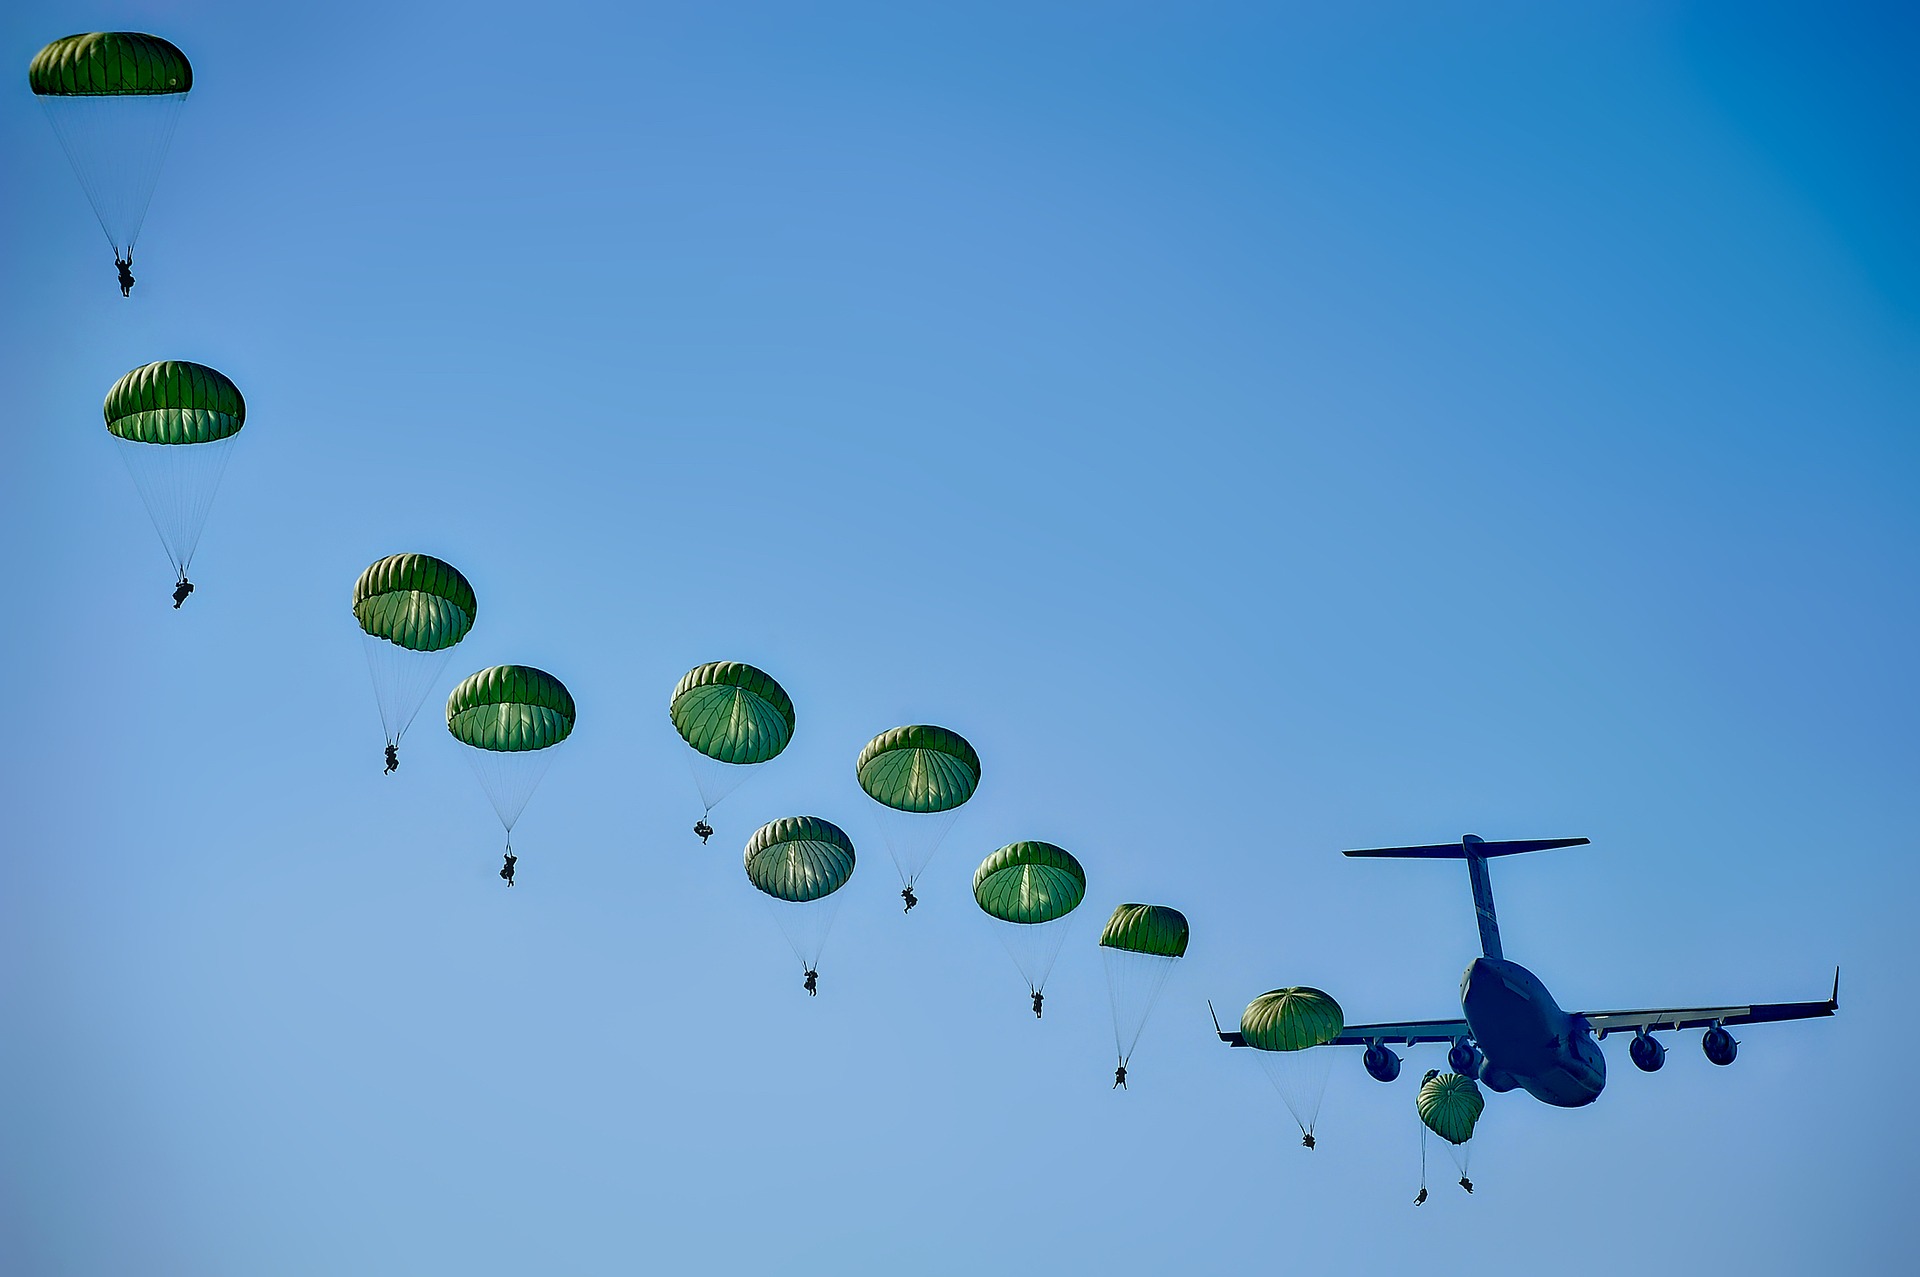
x,y
1032,886
920,775
174,424
1450,1106
113,98
798,864
733,717
1284,1026
1139,946
412,610
510,717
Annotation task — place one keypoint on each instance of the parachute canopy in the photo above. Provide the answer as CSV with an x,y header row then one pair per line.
x,y
415,601
1291,1020
510,709
1150,929
1139,947
919,769
174,402
174,424
109,64
1450,1105
113,99
1029,882
732,712
799,858
412,610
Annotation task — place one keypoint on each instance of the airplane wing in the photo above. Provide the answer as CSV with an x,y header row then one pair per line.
x,y
1605,1022
1410,1032
1406,1031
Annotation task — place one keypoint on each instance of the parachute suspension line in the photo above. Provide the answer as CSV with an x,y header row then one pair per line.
x,y
714,779
805,925
117,145
401,680
509,778
1300,1077
1034,948
1134,983
913,838
177,483
693,770
1462,1154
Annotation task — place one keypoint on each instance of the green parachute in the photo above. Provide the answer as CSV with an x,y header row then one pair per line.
x,y
920,775
1291,1020
510,717
174,424
798,864
1450,1106
733,717
1139,947
1033,886
412,609
113,98
919,769
1283,1027
1154,931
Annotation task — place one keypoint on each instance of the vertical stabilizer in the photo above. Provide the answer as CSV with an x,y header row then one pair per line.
x,y
1482,895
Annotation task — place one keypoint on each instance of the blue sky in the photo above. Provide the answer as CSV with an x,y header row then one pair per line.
x,y
1262,430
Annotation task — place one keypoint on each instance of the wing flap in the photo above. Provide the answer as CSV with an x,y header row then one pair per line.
x,y
1408,1032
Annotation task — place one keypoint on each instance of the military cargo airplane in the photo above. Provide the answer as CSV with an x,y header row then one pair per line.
x,y
1514,1034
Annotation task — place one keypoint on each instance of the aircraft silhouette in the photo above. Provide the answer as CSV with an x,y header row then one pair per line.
x,y
1514,1034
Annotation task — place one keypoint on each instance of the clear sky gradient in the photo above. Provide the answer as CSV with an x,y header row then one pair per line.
x,y
1261,430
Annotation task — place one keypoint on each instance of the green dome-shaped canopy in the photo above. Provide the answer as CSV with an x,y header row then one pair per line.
x,y
732,712
799,858
1029,882
919,768
109,64
510,709
414,601
174,401
1291,1020
1449,1106
1152,929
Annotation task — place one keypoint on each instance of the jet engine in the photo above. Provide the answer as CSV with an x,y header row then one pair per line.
x,y
1648,1052
1382,1065
1719,1045
1465,1059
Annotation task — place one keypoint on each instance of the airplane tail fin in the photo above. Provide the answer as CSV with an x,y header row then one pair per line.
x,y
1475,850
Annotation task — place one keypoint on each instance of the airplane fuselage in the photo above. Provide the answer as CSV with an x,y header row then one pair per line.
x,y
1528,1041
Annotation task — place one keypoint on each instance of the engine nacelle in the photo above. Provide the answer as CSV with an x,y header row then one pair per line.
x,y
1648,1052
1382,1065
1464,1059
1497,1079
1719,1045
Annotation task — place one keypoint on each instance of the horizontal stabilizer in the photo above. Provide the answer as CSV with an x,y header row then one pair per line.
x,y
1458,850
